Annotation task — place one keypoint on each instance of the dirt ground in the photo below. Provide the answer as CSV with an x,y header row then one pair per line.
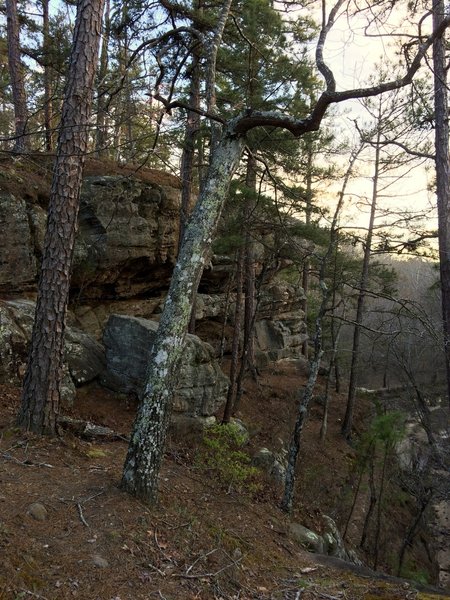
x,y
90,540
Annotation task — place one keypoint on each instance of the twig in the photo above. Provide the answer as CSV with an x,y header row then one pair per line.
x,y
93,496
209,575
33,594
80,512
199,558
156,569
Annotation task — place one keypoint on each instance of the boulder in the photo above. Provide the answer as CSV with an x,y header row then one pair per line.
x,y
84,357
333,542
202,387
306,538
274,465
330,543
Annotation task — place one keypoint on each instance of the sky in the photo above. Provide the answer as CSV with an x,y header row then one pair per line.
x,y
354,57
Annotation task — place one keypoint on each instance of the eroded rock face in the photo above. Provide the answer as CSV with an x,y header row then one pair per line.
x,y
126,244
202,386
128,235
84,357
280,330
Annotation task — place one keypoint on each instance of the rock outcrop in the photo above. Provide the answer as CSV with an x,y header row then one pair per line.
x,y
127,241
124,255
202,387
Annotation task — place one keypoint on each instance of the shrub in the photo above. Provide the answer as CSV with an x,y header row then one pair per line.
x,y
223,458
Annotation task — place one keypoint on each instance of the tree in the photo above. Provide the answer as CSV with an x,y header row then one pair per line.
x,y
41,390
17,77
145,451
441,128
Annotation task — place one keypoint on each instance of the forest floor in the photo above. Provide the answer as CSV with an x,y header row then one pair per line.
x,y
92,541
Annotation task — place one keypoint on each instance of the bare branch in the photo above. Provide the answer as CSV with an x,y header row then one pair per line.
x,y
251,119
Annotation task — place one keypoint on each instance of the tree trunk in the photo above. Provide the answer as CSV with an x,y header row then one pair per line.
x,y
17,77
210,93
294,449
41,392
441,129
187,157
354,368
372,501
142,464
380,507
306,264
248,346
231,396
288,497
424,501
102,104
47,78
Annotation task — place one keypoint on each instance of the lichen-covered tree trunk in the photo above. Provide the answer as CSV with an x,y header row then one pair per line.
x,y
142,464
17,77
41,391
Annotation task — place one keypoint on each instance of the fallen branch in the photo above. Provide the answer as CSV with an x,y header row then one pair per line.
x,y
27,462
89,430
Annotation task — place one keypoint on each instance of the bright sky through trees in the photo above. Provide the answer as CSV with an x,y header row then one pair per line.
x,y
356,54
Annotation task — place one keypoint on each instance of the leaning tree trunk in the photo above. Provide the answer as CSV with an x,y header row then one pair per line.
x,y
442,172
16,76
41,392
142,464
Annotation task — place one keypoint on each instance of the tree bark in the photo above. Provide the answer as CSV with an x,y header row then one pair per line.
x,y
146,447
441,128
17,77
41,392
248,346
